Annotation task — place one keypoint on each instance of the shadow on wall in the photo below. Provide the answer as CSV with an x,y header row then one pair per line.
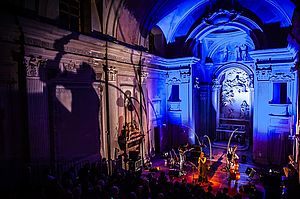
x,y
73,106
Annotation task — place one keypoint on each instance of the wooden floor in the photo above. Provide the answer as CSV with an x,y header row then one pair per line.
x,y
218,177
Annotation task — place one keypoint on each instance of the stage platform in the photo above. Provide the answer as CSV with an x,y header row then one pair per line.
x,y
218,177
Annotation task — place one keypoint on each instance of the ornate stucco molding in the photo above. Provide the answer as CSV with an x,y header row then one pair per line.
x,y
282,76
263,74
185,75
251,81
33,64
173,77
173,106
216,83
70,66
173,80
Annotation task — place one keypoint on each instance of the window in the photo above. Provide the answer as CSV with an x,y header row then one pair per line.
x,y
280,93
69,14
174,97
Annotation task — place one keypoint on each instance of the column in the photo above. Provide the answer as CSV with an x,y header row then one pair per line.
x,y
37,101
216,100
113,111
144,116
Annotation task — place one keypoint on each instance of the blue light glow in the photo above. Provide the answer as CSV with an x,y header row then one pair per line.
x,y
179,22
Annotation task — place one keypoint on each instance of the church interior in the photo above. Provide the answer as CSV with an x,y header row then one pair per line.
x,y
118,99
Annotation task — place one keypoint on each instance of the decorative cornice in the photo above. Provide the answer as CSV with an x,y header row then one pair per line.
x,y
273,55
174,63
33,64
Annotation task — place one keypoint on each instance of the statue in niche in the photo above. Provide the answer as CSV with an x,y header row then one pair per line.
x,y
250,81
224,54
244,113
237,53
197,83
244,52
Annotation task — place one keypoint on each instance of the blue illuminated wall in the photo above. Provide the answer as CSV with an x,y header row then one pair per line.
x,y
244,72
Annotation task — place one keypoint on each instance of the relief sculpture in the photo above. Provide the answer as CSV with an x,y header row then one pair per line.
x,y
235,94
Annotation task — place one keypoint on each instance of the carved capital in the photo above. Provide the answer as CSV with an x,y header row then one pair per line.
x,y
112,73
70,66
144,76
185,76
216,83
33,64
95,62
263,74
98,76
173,78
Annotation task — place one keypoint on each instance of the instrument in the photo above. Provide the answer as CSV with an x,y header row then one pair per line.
x,y
234,172
175,154
171,161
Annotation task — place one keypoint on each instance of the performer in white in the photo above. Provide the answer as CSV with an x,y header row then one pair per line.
x,y
231,156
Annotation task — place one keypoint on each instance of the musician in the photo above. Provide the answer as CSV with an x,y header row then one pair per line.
x,y
234,173
182,154
202,168
291,177
232,164
292,165
231,156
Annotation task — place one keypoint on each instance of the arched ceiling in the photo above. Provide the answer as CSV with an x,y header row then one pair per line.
x,y
186,23
176,17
